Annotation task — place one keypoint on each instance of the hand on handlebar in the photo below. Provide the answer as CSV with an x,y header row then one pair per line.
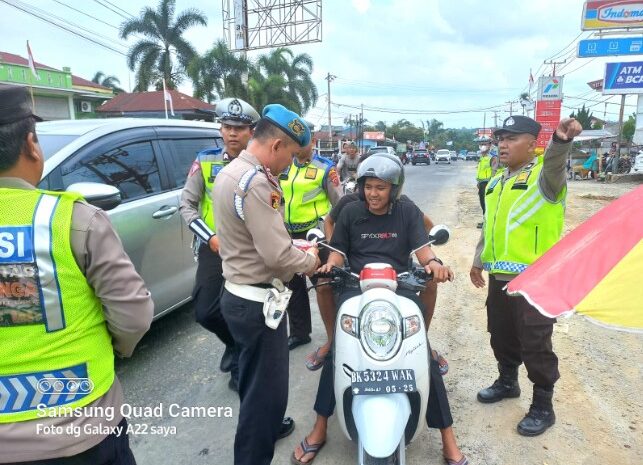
x,y
441,273
325,268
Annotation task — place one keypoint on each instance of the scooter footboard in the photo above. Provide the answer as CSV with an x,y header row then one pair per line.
x,y
381,421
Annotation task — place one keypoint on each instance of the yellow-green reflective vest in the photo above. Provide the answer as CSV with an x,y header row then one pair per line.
x,y
305,199
520,223
56,350
484,169
211,161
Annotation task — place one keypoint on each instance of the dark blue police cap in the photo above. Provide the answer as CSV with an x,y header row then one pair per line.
x,y
289,122
519,125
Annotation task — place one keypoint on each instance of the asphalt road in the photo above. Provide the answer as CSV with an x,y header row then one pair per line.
x,y
176,367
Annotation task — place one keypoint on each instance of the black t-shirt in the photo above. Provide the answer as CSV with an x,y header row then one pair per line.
x,y
369,238
348,198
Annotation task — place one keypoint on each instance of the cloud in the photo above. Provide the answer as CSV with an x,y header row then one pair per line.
x,y
362,6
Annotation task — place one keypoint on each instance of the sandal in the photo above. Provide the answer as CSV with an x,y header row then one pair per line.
x,y
463,461
314,361
442,362
307,449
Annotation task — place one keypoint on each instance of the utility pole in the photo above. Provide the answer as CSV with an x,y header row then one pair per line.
x,y
495,119
330,78
511,107
551,62
361,128
618,140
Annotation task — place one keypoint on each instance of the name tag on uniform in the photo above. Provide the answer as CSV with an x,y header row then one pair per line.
x,y
19,293
491,185
311,173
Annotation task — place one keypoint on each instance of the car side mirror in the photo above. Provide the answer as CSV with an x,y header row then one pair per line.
x,y
100,195
315,235
439,234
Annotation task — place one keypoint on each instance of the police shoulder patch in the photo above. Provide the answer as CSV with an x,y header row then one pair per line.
x,y
275,200
334,178
196,166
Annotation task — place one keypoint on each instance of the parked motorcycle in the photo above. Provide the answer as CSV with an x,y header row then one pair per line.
x,y
381,357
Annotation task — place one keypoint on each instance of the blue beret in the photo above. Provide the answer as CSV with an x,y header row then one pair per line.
x,y
289,122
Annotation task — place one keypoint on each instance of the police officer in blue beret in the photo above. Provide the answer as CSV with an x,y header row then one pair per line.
x,y
258,258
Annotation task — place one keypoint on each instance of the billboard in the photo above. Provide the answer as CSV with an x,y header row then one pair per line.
x,y
548,115
610,14
374,135
550,88
610,47
623,78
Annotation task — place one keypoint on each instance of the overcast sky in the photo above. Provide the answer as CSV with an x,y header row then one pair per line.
x,y
405,56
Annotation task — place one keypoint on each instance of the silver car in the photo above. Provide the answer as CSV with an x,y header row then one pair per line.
x,y
134,169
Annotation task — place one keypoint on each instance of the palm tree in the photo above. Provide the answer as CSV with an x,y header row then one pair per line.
x,y
163,40
296,71
111,82
219,74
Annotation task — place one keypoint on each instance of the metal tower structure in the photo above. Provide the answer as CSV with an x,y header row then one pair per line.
x,y
256,24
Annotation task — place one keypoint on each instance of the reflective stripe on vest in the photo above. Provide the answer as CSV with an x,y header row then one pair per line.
x,y
211,161
305,197
520,223
484,169
56,349
50,298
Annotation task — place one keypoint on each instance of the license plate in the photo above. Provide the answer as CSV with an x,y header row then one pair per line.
x,y
377,382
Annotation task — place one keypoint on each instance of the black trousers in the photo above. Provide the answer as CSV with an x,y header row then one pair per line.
x,y
482,186
263,379
207,294
521,334
299,320
438,412
113,450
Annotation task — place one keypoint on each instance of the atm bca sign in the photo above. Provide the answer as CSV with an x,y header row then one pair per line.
x,y
623,78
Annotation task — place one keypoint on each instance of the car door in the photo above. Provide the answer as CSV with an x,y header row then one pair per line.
x,y
180,147
147,220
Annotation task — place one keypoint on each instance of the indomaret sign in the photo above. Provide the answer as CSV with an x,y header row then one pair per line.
x,y
611,14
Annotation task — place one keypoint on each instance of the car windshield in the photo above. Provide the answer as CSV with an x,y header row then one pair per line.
x,y
52,143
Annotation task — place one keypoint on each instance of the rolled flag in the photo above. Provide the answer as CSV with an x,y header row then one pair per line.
x,y
595,270
168,99
32,64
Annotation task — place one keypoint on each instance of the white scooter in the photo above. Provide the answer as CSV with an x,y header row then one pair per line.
x,y
381,358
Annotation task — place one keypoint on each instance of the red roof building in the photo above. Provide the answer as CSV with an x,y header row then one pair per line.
x,y
151,104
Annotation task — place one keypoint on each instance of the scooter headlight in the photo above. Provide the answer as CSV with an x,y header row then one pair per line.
x,y
381,330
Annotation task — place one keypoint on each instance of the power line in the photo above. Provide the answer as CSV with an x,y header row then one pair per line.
x,y
119,8
426,89
419,112
112,10
86,14
63,27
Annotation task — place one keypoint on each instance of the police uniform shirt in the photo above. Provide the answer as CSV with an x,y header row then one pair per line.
x,y
552,181
128,310
389,238
191,196
256,248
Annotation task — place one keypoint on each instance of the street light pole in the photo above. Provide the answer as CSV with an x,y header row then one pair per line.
x,y
330,78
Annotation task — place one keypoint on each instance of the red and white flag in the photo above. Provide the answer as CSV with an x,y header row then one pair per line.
x,y
531,77
32,64
167,98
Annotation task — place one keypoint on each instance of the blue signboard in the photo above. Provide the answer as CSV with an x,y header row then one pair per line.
x,y
623,78
610,47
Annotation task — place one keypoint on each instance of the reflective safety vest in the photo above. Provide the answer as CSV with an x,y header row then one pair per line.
x,y
212,161
484,169
520,223
56,350
305,198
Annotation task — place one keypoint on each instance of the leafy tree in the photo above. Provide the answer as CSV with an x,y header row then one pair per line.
x,y
111,82
629,127
153,54
380,126
583,116
219,74
434,128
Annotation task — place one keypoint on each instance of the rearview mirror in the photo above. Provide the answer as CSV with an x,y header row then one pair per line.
x,y
315,235
100,195
439,234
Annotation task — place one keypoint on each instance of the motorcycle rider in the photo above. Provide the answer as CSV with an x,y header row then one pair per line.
x,y
393,229
347,165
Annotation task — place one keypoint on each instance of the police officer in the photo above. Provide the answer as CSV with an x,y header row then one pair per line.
x,y
310,186
237,120
69,300
524,218
256,249
487,166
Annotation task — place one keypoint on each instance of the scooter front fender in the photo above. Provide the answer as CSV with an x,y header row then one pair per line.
x,y
380,421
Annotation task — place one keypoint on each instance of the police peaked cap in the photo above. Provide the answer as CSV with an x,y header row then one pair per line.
x,y
236,112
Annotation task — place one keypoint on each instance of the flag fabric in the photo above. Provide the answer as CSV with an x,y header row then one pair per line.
x,y
595,270
32,64
168,99
531,77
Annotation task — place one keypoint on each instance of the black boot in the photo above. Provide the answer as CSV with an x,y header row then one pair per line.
x,y
541,414
506,386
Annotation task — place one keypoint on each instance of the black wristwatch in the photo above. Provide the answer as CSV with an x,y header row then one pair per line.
x,y
434,259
